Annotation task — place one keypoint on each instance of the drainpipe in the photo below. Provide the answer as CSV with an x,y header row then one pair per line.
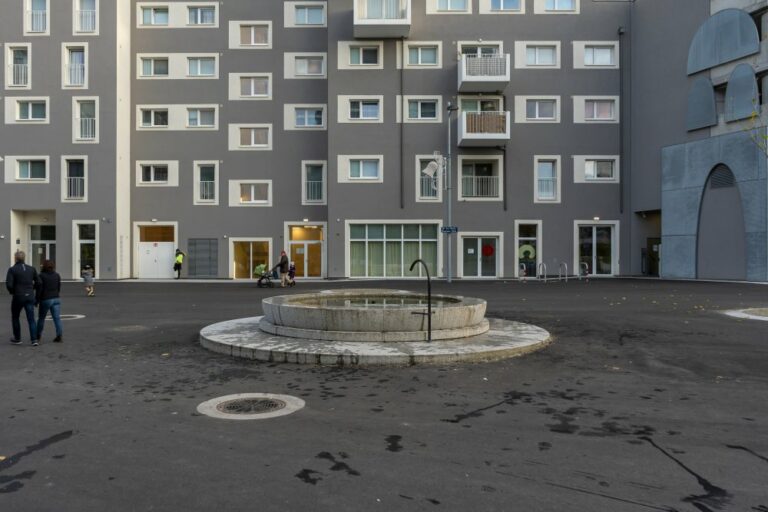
x,y
402,123
622,115
504,160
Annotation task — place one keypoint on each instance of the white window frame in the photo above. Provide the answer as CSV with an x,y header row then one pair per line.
x,y
580,54
343,168
64,178
498,162
289,65
235,90
153,7
418,46
9,48
76,268
615,245
199,111
580,109
27,10
540,7
65,48
16,162
173,173
590,114
153,58
234,194
539,244
153,126
304,165
234,137
419,198
199,60
499,235
558,176
153,169
345,108
234,35
521,54
196,167
403,110
521,109
289,116
361,48
291,11
76,18
433,7
580,163
213,24
15,112
75,118
486,7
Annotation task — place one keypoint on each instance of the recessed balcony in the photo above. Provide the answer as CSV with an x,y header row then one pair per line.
x,y
482,129
382,18
483,74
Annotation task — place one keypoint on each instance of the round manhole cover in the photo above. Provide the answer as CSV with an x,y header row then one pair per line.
x,y
250,406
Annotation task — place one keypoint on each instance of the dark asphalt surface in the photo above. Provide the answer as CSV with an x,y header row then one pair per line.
x,y
648,399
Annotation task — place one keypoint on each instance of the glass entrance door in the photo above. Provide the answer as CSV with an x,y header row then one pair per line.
x,y
527,250
305,249
596,250
42,245
480,256
86,247
249,258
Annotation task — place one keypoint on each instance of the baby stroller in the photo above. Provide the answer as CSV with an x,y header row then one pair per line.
x,y
267,278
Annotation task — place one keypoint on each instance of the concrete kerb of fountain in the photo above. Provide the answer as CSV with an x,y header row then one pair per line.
x,y
372,327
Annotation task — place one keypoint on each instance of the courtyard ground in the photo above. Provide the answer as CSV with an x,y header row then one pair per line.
x,y
649,398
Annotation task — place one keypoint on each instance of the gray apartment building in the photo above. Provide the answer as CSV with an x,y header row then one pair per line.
x,y
238,128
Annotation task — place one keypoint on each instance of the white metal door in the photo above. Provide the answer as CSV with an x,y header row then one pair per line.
x,y
156,260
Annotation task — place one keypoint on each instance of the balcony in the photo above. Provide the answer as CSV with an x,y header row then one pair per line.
x,y
86,21
75,188
429,188
207,190
38,21
87,128
479,187
483,74
375,19
20,75
482,129
314,191
75,75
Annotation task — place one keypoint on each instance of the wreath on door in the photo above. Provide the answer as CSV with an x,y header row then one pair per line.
x,y
488,250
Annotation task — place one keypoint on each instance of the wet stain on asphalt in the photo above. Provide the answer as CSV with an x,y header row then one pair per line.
x,y
511,398
393,443
744,448
14,481
305,475
338,465
544,446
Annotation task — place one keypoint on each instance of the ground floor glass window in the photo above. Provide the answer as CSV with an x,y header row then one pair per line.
x,y
387,250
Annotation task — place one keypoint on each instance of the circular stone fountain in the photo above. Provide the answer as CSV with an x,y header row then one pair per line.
x,y
372,327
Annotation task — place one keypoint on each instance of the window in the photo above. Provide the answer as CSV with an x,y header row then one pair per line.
x,y
560,5
202,15
422,109
75,72
599,56
309,117
254,86
310,15
201,66
154,173
201,117
154,66
473,50
86,20
546,180
451,5
206,189
364,109
85,121
254,35
154,16
31,170
28,110
599,170
255,193
505,5
37,17
154,118
387,250
364,169
314,183
428,186
540,109
75,186
363,55
19,69
541,55
479,180
254,137
309,66
599,110
422,56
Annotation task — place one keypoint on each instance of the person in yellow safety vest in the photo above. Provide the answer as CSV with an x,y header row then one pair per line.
x,y
179,260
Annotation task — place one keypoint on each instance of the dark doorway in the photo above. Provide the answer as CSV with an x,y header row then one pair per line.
x,y
653,253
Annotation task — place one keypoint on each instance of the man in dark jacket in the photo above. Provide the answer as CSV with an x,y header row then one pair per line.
x,y
21,282
284,264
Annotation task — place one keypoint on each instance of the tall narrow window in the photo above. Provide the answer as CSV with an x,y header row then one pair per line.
x,y
75,71
20,71
86,16
38,16
75,179
202,15
546,171
429,180
207,183
314,186
86,120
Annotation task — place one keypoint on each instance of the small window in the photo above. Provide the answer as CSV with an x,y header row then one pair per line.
x,y
505,5
310,15
363,55
546,180
154,174
154,118
207,183
599,110
201,66
254,193
154,66
201,117
202,15
422,109
364,109
540,110
254,35
541,55
451,5
560,5
422,56
254,137
254,86
32,111
309,66
599,169
154,16
309,117
32,170
364,169
599,56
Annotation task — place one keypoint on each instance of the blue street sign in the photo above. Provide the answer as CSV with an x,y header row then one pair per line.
x,y
449,229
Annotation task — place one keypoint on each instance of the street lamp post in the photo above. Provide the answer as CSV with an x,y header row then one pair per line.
x,y
448,199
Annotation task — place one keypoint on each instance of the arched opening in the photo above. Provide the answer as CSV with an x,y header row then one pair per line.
x,y
721,245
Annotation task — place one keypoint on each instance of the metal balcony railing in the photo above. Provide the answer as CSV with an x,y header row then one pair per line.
x,y
547,189
314,191
75,188
207,190
76,74
87,128
38,21
20,74
428,187
383,9
486,122
490,66
86,21
479,186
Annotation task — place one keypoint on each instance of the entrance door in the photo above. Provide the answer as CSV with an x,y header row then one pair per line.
x,y
527,250
596,250
250,257
305,249
157,248
85,248
654,253
203,257
480,256
42,245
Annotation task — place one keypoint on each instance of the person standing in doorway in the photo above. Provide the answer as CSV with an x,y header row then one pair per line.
x,y
87,276
178,262
284,265
48,299
21,282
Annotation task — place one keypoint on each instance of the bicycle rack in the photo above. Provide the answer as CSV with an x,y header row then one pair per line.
x,y
562,271
541,274
583,271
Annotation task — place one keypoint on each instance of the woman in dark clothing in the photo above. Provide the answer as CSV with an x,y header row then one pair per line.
x,y
48,299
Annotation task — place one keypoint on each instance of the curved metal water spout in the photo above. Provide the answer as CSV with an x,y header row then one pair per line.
x,y
429,298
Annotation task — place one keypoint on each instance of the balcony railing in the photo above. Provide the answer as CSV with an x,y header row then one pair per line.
x,y
547,189
76,74
490,66
488,73
87,128
314,191
86,21
20,74
207,190
480,186
38,21
486,122
75,188
428,187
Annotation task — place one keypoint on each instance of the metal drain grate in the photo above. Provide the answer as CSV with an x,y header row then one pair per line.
x,y
250,406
